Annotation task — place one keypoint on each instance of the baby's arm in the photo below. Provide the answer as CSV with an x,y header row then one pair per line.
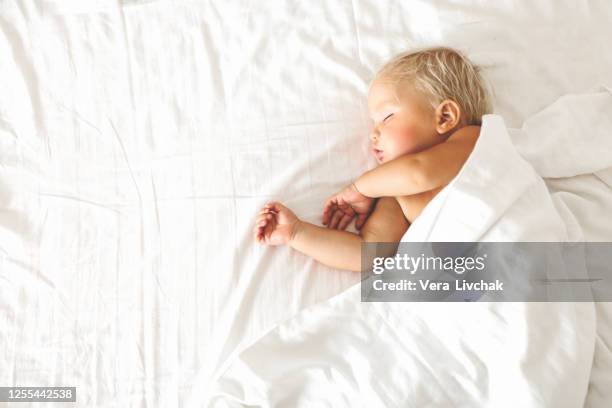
x,y
337,249
415,173
342,249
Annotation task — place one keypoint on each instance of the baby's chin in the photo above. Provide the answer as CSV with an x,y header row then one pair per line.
x,y
386,156
382,160
378,157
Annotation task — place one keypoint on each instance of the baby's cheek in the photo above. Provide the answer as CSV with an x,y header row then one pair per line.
x,y
407,143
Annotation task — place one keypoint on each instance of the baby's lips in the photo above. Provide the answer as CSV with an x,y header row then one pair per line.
x,y
378,153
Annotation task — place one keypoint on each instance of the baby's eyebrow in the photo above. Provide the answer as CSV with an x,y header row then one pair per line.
x,y
379,108
384,103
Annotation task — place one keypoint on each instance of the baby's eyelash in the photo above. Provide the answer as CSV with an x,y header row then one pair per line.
x,y
388,116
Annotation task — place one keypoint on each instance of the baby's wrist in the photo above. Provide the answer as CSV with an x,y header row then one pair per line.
x,y
296,228
357,188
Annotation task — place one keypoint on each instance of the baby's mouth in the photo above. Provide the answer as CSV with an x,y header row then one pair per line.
x,y
378,153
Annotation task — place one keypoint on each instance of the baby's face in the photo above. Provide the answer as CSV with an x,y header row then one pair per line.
x,y
400,127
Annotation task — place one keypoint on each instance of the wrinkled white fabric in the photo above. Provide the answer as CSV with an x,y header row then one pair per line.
x,y
139,138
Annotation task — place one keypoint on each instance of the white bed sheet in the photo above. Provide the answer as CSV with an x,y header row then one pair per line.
x,y
138,139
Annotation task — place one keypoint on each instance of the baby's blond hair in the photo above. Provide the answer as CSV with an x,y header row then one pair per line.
x,y
440,73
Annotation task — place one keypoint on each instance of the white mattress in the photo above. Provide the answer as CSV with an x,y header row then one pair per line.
x,y
138,140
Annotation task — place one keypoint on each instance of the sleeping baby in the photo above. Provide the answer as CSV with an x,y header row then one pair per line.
x,y
426,107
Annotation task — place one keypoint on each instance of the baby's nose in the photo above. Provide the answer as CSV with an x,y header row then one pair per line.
x,y
373,135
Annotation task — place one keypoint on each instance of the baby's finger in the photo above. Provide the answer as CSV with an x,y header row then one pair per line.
x,y
335,219
330,216
329,205
345,221
348,211
275,206
361,219
257,233
345,207
263,226
268,231
268,207
267,211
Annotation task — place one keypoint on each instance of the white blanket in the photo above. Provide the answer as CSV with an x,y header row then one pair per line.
x,y
346,353
139,138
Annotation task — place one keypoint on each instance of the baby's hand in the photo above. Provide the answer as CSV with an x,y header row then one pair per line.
x,y
276,225
343,206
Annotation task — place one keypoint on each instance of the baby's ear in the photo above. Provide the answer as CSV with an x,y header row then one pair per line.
x,y
448,116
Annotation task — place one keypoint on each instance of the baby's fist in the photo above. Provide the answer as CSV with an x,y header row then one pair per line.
x,y
275,225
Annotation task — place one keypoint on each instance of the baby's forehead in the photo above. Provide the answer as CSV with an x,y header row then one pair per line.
x,y
381,94
378,90
385,93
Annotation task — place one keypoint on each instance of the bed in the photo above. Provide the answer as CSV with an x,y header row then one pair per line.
x,y
138,140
